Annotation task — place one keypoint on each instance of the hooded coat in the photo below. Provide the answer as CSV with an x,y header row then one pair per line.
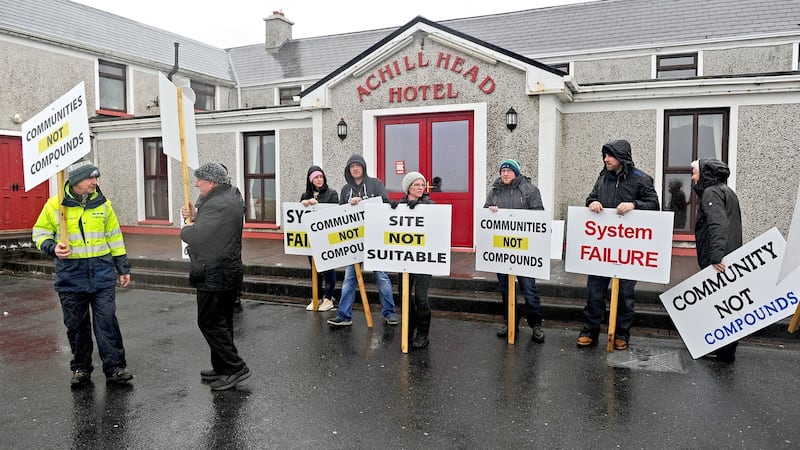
x,y
369,187
520,194
325,194
718,228
630,185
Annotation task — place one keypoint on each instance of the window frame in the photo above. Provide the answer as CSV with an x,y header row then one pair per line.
x,y
289,99
662,71
261,176
160,179
112,76
204,91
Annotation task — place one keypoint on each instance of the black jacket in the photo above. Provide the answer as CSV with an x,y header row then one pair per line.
x,y
215,240
520,194
718,229
631,185
369,187
325,193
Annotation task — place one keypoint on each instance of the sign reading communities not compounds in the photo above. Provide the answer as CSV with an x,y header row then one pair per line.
x,y
336,235
55,137
514,241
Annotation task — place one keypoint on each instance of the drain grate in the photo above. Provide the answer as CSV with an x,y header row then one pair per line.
x,y
647,358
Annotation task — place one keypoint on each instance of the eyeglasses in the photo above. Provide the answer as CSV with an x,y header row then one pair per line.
x,y
418,185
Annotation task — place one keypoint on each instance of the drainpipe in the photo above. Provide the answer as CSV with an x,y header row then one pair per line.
x,y
175,67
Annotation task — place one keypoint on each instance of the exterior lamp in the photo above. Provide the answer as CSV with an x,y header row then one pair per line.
x,y
341,129
511,119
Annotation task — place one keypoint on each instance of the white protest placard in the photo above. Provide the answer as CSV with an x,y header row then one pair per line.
x,y
712,309
336,235
295,237
55,137
408,240
170,129
513,241
557,239
634,246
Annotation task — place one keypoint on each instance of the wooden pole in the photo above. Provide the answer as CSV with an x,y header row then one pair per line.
x,y
612,314
184,168
314,285
512,309
363,291
62,210
404,325
795,320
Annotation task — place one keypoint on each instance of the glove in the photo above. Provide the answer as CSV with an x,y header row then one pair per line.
x,y
412,204
393,204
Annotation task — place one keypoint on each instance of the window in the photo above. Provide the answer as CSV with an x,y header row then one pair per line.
x,y
288,94
259,177
676,66
690,135
204,95
112,86
564,67
156,181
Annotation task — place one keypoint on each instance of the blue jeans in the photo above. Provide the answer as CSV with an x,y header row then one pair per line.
x,y
350,287
527,286
595,310
76,307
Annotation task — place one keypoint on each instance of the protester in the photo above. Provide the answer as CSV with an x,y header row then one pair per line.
x,y
88,263
359,187
623,187
419,313
317,191
214,237
718,227
512,190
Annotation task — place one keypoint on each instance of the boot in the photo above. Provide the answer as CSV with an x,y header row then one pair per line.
x,y
421,333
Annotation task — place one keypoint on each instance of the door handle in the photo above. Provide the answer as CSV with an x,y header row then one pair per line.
x,y
15,187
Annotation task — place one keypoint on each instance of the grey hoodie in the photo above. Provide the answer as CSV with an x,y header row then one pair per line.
x,y
369,187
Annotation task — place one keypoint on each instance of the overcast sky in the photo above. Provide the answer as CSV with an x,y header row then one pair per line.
x,y
233,23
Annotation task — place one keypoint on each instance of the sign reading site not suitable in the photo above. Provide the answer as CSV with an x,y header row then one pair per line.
x,y
55,137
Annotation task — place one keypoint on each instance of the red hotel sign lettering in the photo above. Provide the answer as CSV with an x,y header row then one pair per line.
x,y
433,91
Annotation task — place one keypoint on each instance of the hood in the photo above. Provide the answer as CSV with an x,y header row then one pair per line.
x,y
713,171
354,159
620,149
310,188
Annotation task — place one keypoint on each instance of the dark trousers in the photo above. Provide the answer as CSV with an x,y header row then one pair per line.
x,y
527,287
419,314
215,319
76,307
329,277
595,310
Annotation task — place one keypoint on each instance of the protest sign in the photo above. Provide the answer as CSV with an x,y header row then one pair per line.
x,y
514,241
295,237
336,235
712,309
634,246
408,240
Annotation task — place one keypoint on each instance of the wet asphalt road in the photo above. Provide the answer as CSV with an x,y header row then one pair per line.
x,y
314,387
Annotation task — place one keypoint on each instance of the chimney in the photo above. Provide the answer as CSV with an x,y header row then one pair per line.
x,y
279,30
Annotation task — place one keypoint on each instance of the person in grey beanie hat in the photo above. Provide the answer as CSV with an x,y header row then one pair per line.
x,y
81,170
215,172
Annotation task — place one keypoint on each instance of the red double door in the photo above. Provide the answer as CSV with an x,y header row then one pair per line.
x,y
18,209
439,146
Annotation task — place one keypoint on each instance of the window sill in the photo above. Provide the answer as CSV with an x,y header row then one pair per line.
x,y
155,222
109,112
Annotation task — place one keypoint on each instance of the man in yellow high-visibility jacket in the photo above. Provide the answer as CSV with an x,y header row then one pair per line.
x,y
86,272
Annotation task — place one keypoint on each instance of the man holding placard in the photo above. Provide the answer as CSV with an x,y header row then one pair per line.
x,y
624,187
718,227
512,190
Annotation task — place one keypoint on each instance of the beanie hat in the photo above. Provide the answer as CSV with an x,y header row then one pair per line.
x,y
410,178
80,171
315,174
215,172
512,164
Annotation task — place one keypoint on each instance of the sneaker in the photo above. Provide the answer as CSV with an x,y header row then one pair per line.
x,y
538,335
229,381
327,304
80,377
339,322
392,319
620,344
120,376
209,375
310,306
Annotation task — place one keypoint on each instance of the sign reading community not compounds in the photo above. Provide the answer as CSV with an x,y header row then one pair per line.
x,y
514,242
55,137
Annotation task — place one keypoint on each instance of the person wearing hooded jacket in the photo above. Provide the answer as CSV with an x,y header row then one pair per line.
x,y
317,191
624,187
214,238
361,186
512,190
414,185
86,269
718,227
